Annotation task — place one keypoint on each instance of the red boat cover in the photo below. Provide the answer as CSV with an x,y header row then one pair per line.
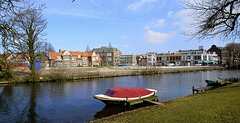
x,y
123,92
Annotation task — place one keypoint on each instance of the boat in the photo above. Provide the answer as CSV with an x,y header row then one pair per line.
x,y
126,95
217,82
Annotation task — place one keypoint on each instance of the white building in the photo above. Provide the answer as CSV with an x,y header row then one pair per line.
x,y
151,58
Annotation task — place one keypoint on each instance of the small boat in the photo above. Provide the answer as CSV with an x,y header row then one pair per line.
x,y
124,95
217,82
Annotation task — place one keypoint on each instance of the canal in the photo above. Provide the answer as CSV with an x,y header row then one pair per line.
x,y
74,102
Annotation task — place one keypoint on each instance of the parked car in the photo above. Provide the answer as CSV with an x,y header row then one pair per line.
x,y
170,64
198,65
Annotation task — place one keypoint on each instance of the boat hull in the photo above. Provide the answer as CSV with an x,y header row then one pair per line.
x,y
122,101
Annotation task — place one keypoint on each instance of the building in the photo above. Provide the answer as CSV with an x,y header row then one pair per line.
x,y
128,60
164,59
187,57
192,57
151,58
110,56
141,60
73,58
218,51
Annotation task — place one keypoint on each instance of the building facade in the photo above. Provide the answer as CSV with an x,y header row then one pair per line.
x,y
218,51
141,60
129,60
186,58
110,56
164,59
151,58
73,59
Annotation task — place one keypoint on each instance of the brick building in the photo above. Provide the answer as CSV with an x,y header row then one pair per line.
x,y
73,58
110,56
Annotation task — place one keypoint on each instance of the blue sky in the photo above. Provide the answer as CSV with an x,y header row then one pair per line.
x,y
132,26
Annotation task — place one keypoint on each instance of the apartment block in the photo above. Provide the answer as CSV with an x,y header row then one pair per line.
x,y
151,58
128,60
110,56
186,57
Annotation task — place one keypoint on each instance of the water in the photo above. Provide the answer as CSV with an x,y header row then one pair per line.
x,y
74,102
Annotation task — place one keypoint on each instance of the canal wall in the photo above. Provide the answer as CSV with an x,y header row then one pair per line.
x,y
77,73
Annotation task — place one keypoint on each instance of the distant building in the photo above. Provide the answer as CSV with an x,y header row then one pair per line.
x,y
141,60
186,57
151,58
218,51
110,56
164,59
192,57
72,59
128,60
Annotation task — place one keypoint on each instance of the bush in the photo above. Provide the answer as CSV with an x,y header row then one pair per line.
x,y
7,74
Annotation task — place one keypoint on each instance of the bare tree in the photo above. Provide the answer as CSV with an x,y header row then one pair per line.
x,y
233,53
26,33
215,18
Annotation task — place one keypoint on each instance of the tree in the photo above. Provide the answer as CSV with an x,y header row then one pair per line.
x,y
233,53
46,48
215,18
26,33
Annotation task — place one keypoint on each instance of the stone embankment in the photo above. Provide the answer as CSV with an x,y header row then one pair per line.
x,y
76,73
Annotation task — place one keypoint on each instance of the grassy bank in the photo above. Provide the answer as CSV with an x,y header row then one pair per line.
x,y
219,105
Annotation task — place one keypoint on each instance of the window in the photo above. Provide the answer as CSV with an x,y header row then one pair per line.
x,y
66,64
66,58
74,58
58,58
74,63
93,58
109,54
109,59
84,63
84,58
79,56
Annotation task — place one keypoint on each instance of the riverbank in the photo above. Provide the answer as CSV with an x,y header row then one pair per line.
x,y
78,73
218,105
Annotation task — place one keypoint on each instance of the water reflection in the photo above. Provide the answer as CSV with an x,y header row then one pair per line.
x,y
74,102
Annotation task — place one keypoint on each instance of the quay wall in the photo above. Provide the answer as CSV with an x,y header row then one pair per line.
x,y
76,73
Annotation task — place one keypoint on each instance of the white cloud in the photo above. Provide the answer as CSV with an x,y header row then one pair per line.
x,y
125,46
160,23
184,20
170,14
137,5
147,27
156,37
155,24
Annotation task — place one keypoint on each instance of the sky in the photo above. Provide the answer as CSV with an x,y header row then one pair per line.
x,y
132,26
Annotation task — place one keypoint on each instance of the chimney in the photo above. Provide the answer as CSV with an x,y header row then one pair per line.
x,y
60,51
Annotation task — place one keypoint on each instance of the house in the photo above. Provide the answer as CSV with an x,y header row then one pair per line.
x,y
18,61
110,56
218,51
73,59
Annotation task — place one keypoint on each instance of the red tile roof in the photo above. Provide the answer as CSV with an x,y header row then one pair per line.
x,y
53,55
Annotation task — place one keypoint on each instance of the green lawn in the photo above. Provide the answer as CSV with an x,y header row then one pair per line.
x,y
218,105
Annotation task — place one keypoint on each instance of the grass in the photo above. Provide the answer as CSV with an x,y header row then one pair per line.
x,y
219,105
